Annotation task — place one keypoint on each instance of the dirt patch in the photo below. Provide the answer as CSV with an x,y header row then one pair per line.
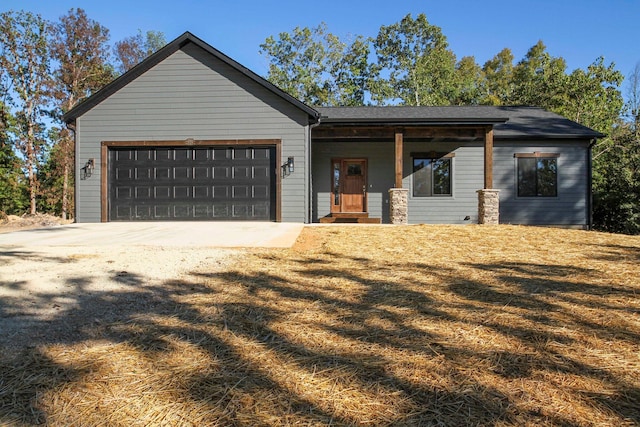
x,y
10,223
38,287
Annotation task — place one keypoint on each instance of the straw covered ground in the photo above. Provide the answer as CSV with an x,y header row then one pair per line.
x,y
359,325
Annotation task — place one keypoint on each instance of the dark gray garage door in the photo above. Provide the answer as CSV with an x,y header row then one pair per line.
x,y
195,183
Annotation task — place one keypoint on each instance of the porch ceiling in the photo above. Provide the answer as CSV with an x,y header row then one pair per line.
x,y
346,133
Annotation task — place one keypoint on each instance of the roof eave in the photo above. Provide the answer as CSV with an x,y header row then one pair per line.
x,y
412,122
499,136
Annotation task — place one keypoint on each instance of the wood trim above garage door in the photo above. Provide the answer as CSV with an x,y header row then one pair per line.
x,y
104,156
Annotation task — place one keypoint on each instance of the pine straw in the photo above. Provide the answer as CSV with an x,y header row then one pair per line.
x,y
415,325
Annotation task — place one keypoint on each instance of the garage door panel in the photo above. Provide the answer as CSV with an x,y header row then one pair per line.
x,y
124,173
261,153
221,192
242,172
162,211
200,192
260,210
240,210
126,154
162,192
221,172
181,193
182,154
221,210
201,154
260,173
241,154
163,173
221,153
202,211
163,155
123,212
182,173
123,193
143,192
193,183
240,192
141,212
144,154
182,212
144,173
201,173
260,191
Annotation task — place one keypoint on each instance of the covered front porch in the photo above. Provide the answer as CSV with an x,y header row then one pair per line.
x,y
411,170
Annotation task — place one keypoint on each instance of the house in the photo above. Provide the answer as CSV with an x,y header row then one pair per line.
x,y
190,134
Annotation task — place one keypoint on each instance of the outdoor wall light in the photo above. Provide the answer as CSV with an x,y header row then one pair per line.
x,y
87,169
288,167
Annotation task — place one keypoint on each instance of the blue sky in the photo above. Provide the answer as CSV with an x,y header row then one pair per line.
x,y
579,31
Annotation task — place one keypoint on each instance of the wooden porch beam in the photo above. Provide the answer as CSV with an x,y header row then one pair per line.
x,y
399,138
386,133
488,158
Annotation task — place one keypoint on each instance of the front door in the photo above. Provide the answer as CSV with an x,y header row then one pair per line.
x,y
349,186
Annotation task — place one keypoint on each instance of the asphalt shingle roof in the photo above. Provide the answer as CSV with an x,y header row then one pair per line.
x,y
509,122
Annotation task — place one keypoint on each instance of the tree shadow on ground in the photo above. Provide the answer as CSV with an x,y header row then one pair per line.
x,y
324,339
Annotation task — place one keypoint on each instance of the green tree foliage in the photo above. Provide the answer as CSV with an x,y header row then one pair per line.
x,y
469,83
539,80
132,50
498,79
420,67
24,60
316,67
56,196
79,47
11,178
592,96
616,186
353,73
616,169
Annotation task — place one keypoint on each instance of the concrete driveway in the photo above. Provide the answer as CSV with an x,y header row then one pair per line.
x,y
172,234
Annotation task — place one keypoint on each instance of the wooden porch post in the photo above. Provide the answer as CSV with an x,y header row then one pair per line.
x,y
488,158
399,143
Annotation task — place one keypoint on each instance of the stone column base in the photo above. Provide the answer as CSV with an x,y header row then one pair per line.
x,y
399,205
488,206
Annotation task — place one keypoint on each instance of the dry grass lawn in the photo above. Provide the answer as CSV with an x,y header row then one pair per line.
x,y
415,325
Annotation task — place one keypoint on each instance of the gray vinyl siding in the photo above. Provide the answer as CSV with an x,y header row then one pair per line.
x,y
380,177
569,208
192,94
467,177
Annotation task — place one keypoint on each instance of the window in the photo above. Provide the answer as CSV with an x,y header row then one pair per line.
x,y
537,175
431,174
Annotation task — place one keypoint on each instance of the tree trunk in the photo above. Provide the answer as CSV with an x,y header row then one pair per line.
x,y
31,161
65,192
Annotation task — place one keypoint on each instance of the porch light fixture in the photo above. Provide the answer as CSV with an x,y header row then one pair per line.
x,y
87,169
289,167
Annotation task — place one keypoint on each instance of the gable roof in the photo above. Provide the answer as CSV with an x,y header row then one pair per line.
x,y
164,53
509,122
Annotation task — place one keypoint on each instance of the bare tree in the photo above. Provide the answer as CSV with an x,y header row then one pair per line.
x,y
633,96
79,46
132,50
